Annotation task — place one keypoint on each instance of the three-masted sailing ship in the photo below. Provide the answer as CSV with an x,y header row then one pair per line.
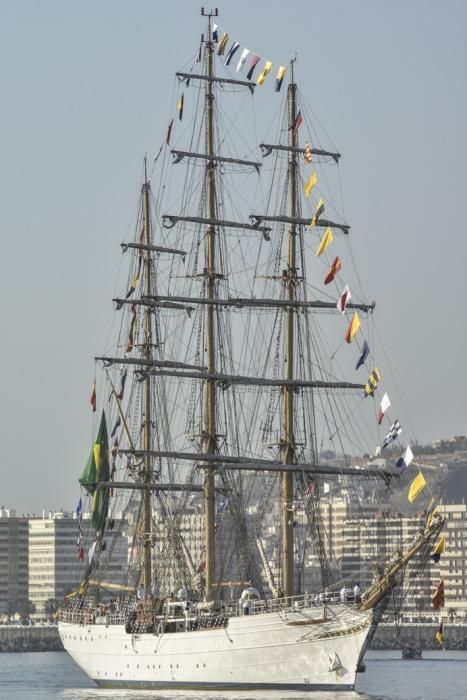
x,y
207,460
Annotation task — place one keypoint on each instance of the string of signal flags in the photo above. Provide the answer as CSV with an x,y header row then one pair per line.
x,y
244,58
419,482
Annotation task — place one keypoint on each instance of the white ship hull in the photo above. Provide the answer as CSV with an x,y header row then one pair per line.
x,y
277,650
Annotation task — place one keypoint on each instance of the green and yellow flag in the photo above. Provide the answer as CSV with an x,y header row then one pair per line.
x,y
417,485
95,470
310,184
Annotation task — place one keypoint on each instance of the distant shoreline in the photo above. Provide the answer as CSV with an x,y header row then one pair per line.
x,y
19,638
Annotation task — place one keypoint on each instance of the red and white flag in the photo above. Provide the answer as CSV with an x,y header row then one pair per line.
x,y
383,407
343,299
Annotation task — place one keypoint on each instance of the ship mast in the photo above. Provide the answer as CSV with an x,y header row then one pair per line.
x,y
209,432
287,439
147,352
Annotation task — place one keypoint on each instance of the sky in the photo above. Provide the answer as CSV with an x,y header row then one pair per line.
x,y
87,89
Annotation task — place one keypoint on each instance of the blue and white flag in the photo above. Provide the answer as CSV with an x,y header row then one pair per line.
x,y
231,53
79,507
242,60
222,507
404,461
364,355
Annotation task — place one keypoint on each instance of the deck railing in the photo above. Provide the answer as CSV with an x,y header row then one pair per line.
x,y
88,614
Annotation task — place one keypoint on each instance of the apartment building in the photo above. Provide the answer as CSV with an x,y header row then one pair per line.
x,y
452,567
14,593
54,569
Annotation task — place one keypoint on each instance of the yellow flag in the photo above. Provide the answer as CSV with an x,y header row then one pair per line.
x,y
354,325
417,485
440,546
262,76
325,241
310,184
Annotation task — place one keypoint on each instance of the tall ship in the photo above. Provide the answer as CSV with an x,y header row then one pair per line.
x,y
237,387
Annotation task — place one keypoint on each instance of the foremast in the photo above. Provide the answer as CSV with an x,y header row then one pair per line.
x,y
287,439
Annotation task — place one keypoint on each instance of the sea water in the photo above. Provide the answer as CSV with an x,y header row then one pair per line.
x,y
440,675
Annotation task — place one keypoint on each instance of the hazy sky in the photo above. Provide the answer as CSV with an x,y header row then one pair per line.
x,y
86,90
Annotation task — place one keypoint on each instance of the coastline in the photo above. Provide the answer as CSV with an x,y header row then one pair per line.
x,y
387,637
18,638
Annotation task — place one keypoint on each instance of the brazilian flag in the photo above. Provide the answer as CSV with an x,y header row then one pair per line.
x,y
97,469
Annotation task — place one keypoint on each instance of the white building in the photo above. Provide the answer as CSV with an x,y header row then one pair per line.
x,y
54,568
452,567
14,592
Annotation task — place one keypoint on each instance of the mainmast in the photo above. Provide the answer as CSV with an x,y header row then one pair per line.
x,y
209,432
147,352
287,440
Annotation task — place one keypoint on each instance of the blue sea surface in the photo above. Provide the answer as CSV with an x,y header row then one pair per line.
x,y
440,675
